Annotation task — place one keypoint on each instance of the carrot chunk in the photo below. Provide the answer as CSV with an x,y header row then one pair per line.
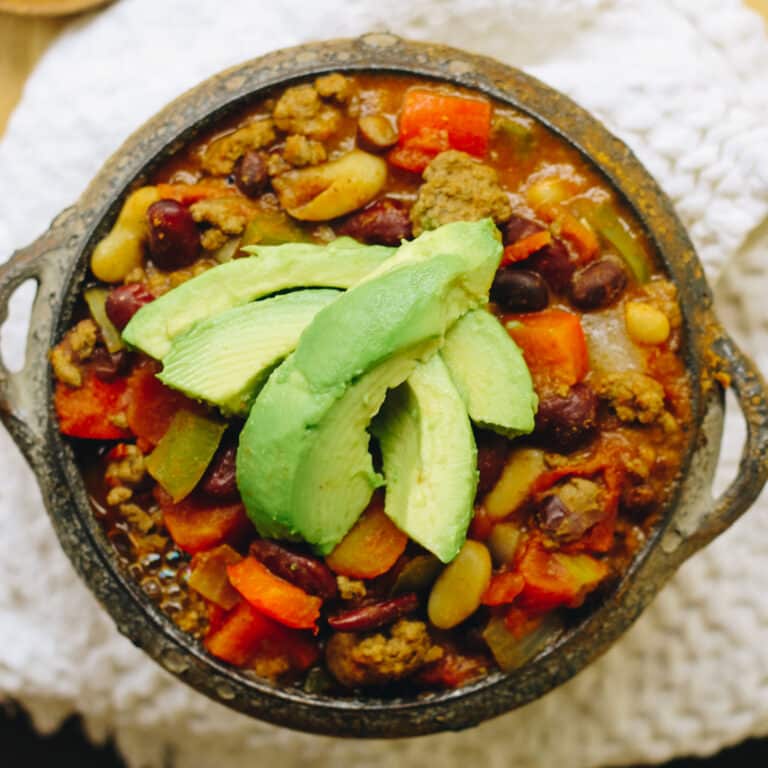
x,y
432,122
273,596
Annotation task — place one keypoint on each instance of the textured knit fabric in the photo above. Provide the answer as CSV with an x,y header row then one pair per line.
x,y
683,82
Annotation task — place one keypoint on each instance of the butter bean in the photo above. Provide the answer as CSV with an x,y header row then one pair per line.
x,y
458,590
122,250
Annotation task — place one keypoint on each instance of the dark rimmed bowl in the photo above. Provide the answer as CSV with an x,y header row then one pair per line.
x,y
58,262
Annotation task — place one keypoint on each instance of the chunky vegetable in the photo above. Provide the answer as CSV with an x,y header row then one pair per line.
x,y
196,524
553,345
91,410
96,299
273,596
371,547
432,122
246,634
607,222
553,579
208,576
184,452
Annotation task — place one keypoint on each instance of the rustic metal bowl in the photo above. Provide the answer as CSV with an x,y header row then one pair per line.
x,y
58,262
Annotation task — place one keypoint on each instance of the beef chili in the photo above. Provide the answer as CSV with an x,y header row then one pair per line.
x,y
189,487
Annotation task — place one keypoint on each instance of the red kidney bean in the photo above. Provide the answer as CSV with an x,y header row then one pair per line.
x,y
107,366
519,290
251,176
598,285
553,263
305,572
565,422
518,228
374,615
385,222
174,239
220,479
124,302
492,451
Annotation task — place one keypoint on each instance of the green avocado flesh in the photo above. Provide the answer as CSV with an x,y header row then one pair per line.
x,y
490,373
273,268
224,360
429,459
303,465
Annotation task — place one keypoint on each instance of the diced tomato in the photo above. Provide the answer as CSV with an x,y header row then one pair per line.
x,y
151,405
553,345
503,589
371,548
600,537
554,579
196,524
88,411
273,596
244,633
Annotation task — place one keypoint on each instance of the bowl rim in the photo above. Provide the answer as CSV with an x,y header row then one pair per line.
x,y
72,236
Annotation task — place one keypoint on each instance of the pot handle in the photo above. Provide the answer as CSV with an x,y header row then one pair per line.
x,y
23,394
732,367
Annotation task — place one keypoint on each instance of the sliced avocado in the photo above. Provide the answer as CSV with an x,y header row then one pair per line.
x,y
429,460
273,268
303,466
224,360
490,373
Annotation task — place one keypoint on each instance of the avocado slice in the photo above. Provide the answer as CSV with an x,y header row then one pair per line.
x,y
429,459
224,360
303,466
273,268
490,373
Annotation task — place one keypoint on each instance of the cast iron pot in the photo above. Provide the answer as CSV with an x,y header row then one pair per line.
x,y
58,262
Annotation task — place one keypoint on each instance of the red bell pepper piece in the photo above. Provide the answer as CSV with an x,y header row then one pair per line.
x,y
196,525
273,596
553,346
432,122
244,634
503,589
151,405
87,411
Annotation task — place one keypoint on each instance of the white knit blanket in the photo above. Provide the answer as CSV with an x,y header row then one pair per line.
x,y
683,82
